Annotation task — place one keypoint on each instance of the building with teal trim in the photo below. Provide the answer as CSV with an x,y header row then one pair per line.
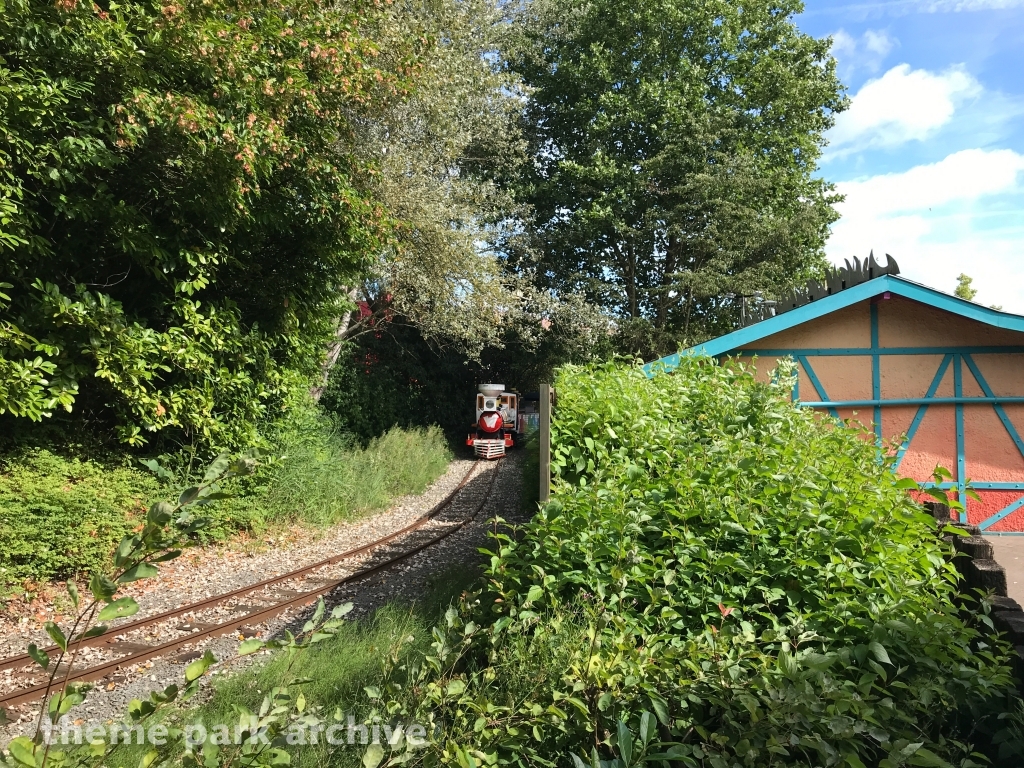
x,y
939,381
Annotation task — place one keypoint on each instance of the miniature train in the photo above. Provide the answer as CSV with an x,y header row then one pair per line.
x,y
497,424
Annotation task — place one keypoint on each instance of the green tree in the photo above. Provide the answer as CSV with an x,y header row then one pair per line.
x,y
181,200
964,289
672,152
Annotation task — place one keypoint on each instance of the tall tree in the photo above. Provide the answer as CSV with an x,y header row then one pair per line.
x,y
673,145
439,154
964,287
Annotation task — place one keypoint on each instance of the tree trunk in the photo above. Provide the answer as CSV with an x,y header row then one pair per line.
x,y
334,350
670,267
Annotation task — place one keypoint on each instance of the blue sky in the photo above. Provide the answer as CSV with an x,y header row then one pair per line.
x,y
930,154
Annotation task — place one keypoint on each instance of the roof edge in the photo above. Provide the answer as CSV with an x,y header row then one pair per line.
x,y
892,283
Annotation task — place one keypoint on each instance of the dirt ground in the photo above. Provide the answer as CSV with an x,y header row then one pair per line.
x,y
1009,553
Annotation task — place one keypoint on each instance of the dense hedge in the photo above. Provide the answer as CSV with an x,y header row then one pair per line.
x,y
63,515
745,571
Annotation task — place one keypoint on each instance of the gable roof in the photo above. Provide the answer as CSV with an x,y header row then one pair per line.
x,y
840,300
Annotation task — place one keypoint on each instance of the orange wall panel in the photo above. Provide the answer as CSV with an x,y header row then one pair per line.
x,y
908,323
933,445
991,454
843,328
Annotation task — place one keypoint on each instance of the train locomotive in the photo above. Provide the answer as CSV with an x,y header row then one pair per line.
x,y
497,424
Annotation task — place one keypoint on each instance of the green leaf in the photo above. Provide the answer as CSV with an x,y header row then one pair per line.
x,y
648,728
925,757
217,468
188,496
250,646
23,750
95,631
341,610
160,513
56,634
198,668
373,756
455,687
879,652
140,571
155,467
73,593
125,549
40,658
102,588
534,594
118,609
660,707
625,743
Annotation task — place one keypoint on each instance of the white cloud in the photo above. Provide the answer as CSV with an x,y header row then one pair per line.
x,y
866,52
902,105
960,214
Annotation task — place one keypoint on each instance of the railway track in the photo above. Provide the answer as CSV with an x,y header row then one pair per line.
x,y
192,632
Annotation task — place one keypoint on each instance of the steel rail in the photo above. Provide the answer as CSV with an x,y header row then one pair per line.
x,y
202,605
102,670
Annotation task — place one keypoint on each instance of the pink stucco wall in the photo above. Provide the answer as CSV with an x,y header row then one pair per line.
x,y
991,454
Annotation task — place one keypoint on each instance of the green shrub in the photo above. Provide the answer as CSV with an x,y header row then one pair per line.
x,y
742,568
60,516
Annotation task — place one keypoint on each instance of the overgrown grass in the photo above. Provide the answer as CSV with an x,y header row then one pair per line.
x,y
337,673
323,478
61,512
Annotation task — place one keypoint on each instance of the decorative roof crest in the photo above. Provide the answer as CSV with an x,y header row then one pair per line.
x,y
836,279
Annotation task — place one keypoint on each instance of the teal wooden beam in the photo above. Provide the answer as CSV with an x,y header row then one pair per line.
x,y
816,383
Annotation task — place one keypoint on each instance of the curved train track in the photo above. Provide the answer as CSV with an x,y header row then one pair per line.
x,y
129,653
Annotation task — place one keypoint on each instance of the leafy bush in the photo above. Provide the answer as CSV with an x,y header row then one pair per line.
x,y
740,567
60,516
395,378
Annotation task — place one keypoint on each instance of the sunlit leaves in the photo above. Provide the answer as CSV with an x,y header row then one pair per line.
x,y
183,252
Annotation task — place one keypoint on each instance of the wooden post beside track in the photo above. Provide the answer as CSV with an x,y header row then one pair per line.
x,y
545,443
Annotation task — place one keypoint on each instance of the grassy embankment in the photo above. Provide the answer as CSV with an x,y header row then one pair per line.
x,y
62,510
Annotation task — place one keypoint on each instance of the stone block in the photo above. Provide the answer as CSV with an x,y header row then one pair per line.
x,y
975,547
986,575
1000,603
1010,622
